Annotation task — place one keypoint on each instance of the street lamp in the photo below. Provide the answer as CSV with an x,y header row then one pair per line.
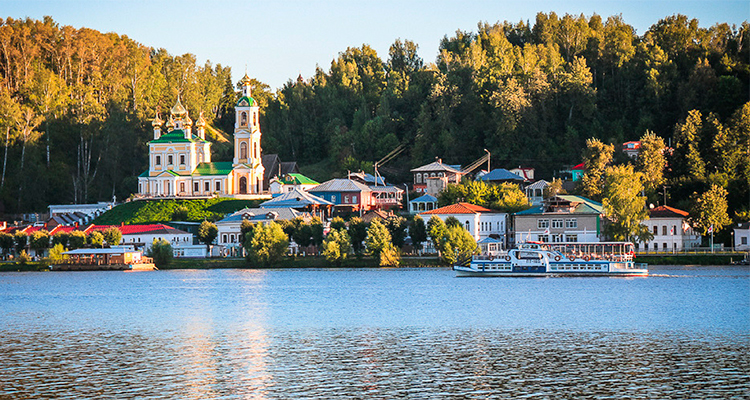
x,y
488,160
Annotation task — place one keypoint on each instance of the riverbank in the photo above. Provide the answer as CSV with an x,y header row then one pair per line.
x,y
368,262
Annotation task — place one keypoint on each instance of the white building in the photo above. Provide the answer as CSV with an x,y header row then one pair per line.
x,y
230,237
142,236
671,231
561,218
479,221
742,236
535,192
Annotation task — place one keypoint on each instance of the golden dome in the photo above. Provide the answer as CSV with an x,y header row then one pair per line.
x,y
246,80
201,121
178,109
188,121
170,122
157,121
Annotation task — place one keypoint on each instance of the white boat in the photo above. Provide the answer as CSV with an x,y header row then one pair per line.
x,y
556,259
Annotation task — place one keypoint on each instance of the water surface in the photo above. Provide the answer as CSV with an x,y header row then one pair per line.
x,y
374,333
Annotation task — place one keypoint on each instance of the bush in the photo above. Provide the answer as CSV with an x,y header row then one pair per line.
x,y
96,239
76,240
24,258
161,252
112,236
56,253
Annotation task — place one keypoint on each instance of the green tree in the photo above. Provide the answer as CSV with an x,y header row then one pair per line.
x,y
7,243
554,188
418,232
60,238
651,161
56,255
180,213
39,241
112,236
337,246
338,223
710,210
596,157
437,230
207,233
452,221
76,240
397,228
268,244
456,242
245,227
316,231
623,204
21,241
688,160
378,244
357,233
162,253
96,239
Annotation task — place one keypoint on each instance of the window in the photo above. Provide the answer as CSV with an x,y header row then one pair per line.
x,y
572,238
243,150
543,238
224,238
208,186
182,186
656,246
674,229
158,160
243,119
182,159
196,187
255,118
571,223
169,160
557,223
557,238
255,150
418,178
218,186
354,199
664,230
743,240
440,174
467,226
664,246
656,230
542,223
346,198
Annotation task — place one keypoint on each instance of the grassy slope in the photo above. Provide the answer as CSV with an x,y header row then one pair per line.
x,y
156,211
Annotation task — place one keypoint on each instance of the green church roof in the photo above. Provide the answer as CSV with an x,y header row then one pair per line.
x,y
213,168
249,101
177,136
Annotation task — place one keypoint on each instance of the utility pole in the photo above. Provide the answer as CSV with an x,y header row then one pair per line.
x,y
488,160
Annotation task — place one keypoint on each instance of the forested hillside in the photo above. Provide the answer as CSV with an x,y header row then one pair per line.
x,y
75,104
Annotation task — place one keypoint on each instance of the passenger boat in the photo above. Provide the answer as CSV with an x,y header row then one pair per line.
x,y
556,259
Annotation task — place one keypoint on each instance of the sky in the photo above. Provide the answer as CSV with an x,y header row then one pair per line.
x,y
275,41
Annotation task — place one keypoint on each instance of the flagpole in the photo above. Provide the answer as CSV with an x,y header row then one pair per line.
x,y
712,238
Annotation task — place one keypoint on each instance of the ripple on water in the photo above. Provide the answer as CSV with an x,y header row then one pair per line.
x,y
374,363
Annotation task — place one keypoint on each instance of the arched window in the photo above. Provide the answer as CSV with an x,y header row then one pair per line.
x,y
243,150
243,119
419,178
255,150
255,118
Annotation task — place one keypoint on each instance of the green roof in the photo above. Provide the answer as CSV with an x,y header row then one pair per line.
x,y
250,101
213,168
169,171
298,179
176,136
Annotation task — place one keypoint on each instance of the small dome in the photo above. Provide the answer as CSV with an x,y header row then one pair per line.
x,y
170,122
157,121
246,80
245,101
201,122
188,121
178,109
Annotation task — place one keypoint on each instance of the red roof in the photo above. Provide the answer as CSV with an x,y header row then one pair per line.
x,y
579,166
460,208
667,212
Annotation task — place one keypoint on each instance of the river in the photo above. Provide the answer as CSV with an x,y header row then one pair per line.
x,y
683,332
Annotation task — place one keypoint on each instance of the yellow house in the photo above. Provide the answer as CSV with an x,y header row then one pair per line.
x,y
180,159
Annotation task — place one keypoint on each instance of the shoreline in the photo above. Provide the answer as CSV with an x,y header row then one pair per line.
x,y
706,260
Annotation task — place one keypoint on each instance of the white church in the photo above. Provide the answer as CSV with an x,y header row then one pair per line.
x,y
180,158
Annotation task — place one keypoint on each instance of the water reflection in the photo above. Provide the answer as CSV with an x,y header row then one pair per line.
x,y
372,334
